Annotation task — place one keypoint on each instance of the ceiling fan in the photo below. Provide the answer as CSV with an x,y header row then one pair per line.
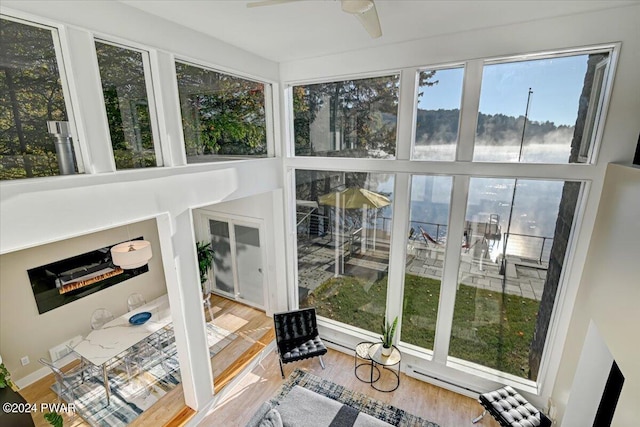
x,y
364,10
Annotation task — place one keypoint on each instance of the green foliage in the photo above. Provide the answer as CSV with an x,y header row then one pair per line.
x,y
205,260
489,328
30,95
388,331
221,114
344,299
126,103
5,376
54,419
441,126
362,112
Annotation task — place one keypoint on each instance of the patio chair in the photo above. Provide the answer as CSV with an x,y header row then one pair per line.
x,y
297,336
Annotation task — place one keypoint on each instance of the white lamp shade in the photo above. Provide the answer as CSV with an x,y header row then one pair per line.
x,y
132,254
356,7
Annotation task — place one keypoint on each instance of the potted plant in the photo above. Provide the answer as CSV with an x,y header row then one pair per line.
x,y
205,261
5,377
54,419
388,331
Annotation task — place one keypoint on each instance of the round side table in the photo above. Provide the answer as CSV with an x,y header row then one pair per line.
x,y
387,363
360,354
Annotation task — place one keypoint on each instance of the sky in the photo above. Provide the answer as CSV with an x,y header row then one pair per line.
x,y
556,84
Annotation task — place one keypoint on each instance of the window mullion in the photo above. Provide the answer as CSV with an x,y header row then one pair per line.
x,y
92,114
406,113
450,270
154,111
469,110
399,231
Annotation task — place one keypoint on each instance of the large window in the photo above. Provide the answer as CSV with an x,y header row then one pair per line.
x,y
30,96
223,116
124,75
476,289
515,239
438,113
344,221
426,242
536,111
350,118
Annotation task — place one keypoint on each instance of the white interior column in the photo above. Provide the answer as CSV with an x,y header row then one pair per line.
x,y
185,298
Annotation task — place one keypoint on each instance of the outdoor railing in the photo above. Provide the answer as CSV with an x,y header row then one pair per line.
x,y
437,231
529,246
303,224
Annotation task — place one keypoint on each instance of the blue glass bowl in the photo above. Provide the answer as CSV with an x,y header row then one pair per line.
x,y
140,318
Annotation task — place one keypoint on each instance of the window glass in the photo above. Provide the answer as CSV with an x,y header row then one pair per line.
x,y
350,118
429,220
344,223
438,114
537,111
126,101
515,240
30,96
223,116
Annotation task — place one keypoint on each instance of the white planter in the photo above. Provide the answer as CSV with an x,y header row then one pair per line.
x,y
386,351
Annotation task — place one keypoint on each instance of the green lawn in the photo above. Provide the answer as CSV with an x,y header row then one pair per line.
x,y
489,328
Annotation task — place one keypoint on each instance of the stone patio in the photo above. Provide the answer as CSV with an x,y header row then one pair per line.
x,y
524,278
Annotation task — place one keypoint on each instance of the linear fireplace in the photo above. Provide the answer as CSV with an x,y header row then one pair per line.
x,y
70,279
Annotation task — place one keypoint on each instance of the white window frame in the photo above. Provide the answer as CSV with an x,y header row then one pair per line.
x,y
58,36
151,95
270,105
462,169
288,96
452,66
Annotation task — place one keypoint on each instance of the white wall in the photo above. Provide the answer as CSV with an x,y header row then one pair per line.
x,y
25,332
112,18
38,211
610,292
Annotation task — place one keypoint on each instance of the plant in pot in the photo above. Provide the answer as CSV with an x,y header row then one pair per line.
x,y
205,262
5,377
54,418
388,331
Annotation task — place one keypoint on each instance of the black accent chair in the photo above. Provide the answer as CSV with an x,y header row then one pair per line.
x,y
510,409
297,336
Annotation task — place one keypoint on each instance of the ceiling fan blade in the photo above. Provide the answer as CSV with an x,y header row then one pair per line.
x,y
370,22
268,3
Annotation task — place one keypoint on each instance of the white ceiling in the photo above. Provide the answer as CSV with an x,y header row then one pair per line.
x,y
313,28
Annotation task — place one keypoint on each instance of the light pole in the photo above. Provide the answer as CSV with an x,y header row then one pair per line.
x,y
503,266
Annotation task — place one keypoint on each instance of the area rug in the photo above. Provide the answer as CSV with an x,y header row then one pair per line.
x,y
131,397
359,401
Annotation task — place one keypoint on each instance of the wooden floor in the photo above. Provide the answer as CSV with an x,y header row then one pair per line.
x,y
254,330
446,408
